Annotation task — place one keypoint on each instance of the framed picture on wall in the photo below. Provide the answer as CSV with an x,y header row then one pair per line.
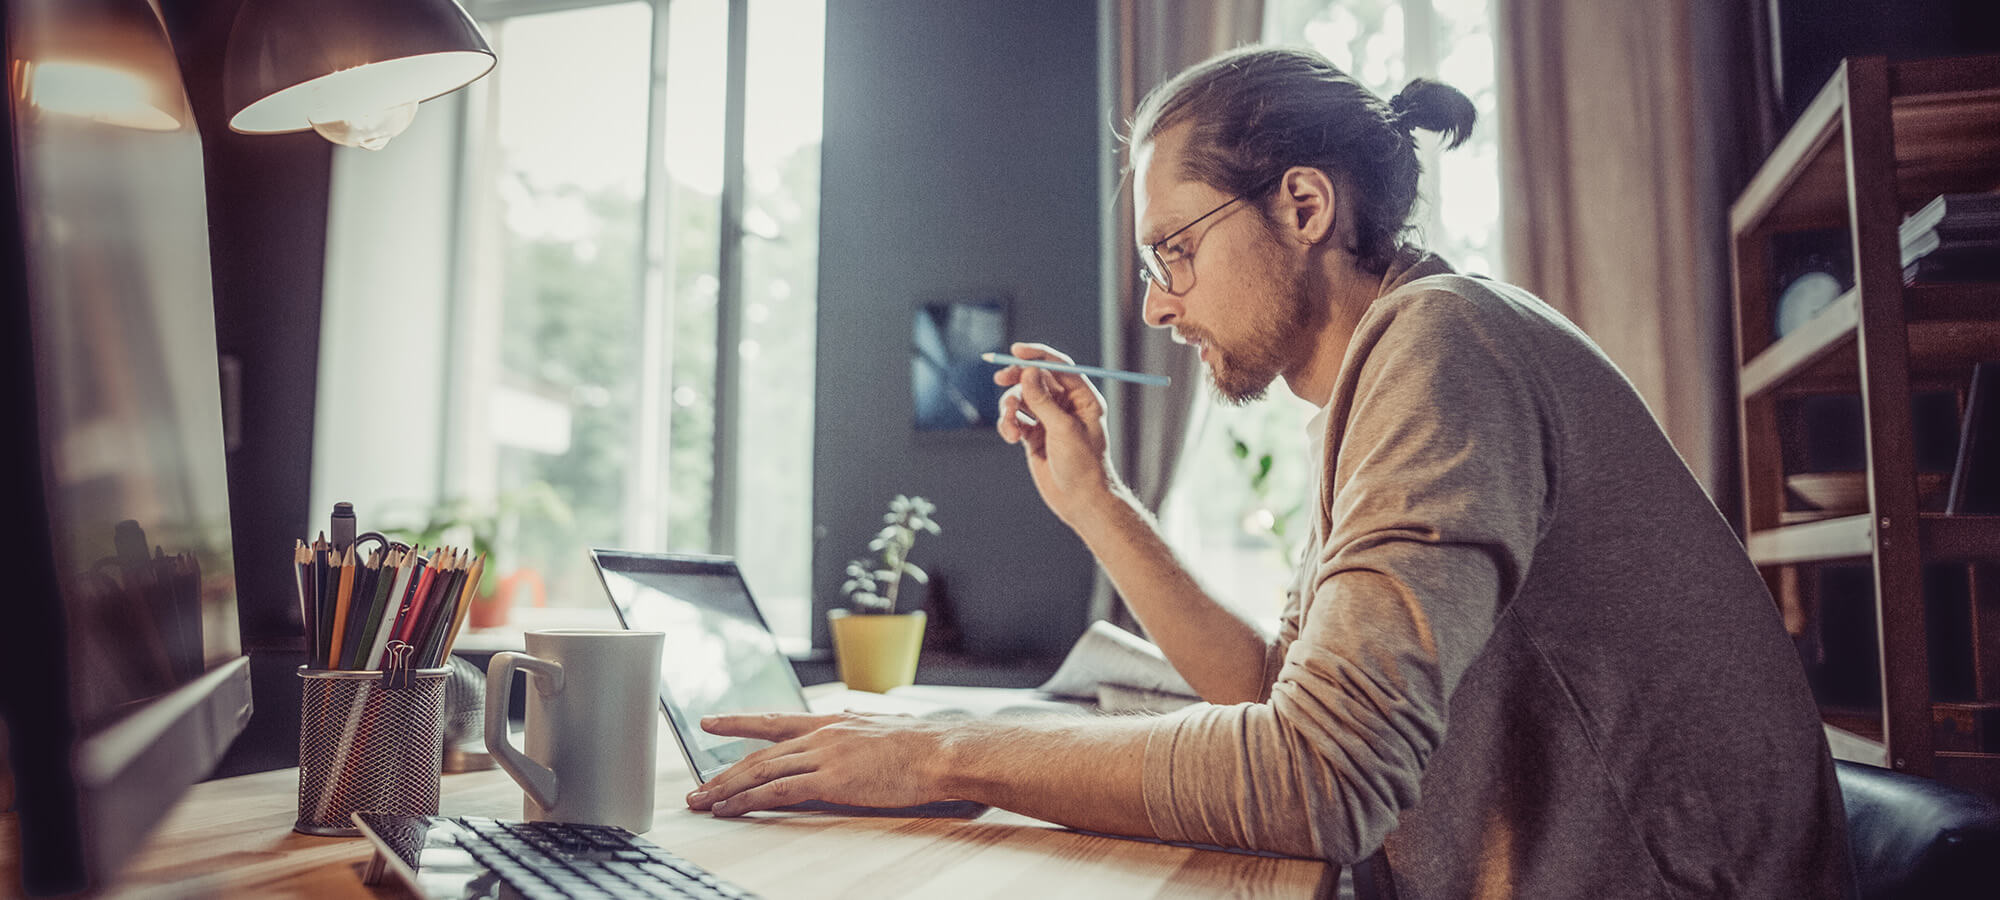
x,y
951,387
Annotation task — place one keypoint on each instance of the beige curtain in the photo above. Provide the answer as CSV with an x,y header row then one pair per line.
x,y
1614,199
1145,42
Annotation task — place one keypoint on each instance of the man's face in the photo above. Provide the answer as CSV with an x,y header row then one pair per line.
x,y
1240,298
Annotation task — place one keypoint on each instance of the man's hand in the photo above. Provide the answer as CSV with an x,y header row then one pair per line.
x,y
1059,418
850,759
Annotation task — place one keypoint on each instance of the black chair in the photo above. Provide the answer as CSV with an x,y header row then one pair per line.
x,y
1917,838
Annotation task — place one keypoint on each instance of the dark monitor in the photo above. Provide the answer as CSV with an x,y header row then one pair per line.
x,y
121,673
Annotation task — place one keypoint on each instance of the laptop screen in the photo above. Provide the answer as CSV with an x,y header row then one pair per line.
x,y
719,655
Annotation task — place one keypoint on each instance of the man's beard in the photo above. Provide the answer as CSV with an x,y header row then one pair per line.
x,y
1279,335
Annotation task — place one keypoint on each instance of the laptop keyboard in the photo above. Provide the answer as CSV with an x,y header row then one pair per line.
x,y
567,860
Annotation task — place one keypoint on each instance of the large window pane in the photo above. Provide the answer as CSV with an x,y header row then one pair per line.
x,y
569,180
698,34
567,329
780,281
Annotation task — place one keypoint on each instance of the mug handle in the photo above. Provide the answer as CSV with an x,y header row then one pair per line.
x,y
536,779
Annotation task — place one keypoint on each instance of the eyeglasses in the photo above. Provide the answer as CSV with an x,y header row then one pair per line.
x,y
1153,263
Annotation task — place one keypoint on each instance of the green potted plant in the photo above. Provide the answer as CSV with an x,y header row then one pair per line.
x,y
875,646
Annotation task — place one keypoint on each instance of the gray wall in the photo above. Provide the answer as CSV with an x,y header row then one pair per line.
x,y
960,162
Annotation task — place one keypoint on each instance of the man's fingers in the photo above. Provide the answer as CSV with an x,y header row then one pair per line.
x,y
1039,394
1014,420
750,773
1009,376
770,795
766,726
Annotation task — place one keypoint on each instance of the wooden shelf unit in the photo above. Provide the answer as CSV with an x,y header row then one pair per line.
x,y
1879,141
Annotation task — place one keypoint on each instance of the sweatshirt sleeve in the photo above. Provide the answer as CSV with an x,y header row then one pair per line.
x,y
1440,454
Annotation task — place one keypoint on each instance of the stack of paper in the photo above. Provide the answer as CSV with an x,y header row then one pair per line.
x,y
1122,672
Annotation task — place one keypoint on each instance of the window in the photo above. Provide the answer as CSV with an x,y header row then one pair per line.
x,y
1238,508
625,322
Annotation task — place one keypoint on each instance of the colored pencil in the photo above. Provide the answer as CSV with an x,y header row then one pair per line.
x,y
320,626
447,611
1002,359
301,570
366,574
371,622
341,597
431,605
420,581
385,630
470,595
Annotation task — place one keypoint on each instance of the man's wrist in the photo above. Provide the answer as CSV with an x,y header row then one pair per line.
x,y
955,769
1107,514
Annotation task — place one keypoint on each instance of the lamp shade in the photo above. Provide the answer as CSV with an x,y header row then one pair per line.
x,y
107,61
299,64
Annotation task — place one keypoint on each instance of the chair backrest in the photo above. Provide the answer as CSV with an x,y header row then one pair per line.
x,y
1917,838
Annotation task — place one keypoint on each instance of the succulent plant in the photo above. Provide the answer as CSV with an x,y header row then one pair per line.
x,y
873,581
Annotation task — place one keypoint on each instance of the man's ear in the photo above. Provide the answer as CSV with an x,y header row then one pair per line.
x,y
1308,205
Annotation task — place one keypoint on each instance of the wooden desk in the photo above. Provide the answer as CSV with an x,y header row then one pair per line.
x,y
232,838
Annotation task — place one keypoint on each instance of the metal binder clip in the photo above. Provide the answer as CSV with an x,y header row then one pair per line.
x,y
397,665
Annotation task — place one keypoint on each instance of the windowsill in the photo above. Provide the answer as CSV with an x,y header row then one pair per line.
x,y
524,619
813,664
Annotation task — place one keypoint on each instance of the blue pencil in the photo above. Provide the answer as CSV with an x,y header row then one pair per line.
x,y
1002,359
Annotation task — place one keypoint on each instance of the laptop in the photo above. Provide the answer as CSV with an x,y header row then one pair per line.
x,y
720,655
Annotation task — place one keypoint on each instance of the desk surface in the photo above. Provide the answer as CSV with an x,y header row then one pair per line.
x,y
232,837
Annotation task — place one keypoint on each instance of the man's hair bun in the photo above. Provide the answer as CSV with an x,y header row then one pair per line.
x,y
1435,106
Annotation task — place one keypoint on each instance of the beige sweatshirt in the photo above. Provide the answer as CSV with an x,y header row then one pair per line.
x,y
1526,656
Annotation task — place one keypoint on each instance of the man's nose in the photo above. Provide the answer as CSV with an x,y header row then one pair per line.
x,y
1159,307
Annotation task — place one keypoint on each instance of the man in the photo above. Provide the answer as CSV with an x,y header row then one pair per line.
x,y
1524,656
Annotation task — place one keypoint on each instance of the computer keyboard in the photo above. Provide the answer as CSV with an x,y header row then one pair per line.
x,y
539,860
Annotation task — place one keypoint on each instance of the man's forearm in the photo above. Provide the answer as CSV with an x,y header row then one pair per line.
x,y
1219,652
1083,773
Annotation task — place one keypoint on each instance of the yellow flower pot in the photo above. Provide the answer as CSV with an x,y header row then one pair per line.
x,y
876,652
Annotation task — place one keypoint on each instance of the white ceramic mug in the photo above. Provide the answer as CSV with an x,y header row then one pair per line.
x,y
593,720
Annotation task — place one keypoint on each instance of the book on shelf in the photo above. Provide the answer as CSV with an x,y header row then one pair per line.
x,y
1973,247
1954,268
1953,213
1975,476
1954,238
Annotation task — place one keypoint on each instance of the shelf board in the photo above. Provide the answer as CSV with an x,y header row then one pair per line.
x,y
1945,539
1959,538
1947,125
1800,164
1810,343
1855,748
1827,539
1972,303
1973,771
1950,327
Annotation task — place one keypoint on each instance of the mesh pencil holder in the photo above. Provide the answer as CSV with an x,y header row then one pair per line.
x,y
367,744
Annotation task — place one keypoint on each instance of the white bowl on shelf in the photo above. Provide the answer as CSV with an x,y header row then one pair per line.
x,y
1831,491
1847,492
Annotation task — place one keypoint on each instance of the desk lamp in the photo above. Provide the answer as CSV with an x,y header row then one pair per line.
x,y
352,70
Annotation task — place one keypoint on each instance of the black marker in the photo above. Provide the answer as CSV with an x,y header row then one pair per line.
x,y
343,527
